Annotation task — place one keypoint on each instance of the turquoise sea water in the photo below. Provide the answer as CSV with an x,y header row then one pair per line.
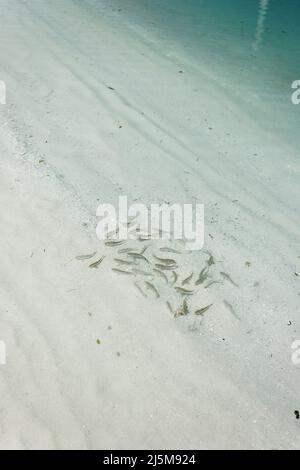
x,y
251,49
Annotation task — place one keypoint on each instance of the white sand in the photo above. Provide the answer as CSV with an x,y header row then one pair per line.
x,y
225,382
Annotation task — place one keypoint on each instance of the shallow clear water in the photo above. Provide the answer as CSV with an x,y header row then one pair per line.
x,y
251,48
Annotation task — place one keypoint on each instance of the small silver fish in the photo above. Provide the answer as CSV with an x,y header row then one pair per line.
x,y
85,257
212,283
132,221
165,249
120,271
112,233
138,256
182,311
126,250
133,218
201,311
113,243
211,260
143,273
202,276
185,307
153,288
161,274
226,276
145,238
184,291
166,261
187,280
124,262
175,277
164,267
97,263
231,309
144,249
140,289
